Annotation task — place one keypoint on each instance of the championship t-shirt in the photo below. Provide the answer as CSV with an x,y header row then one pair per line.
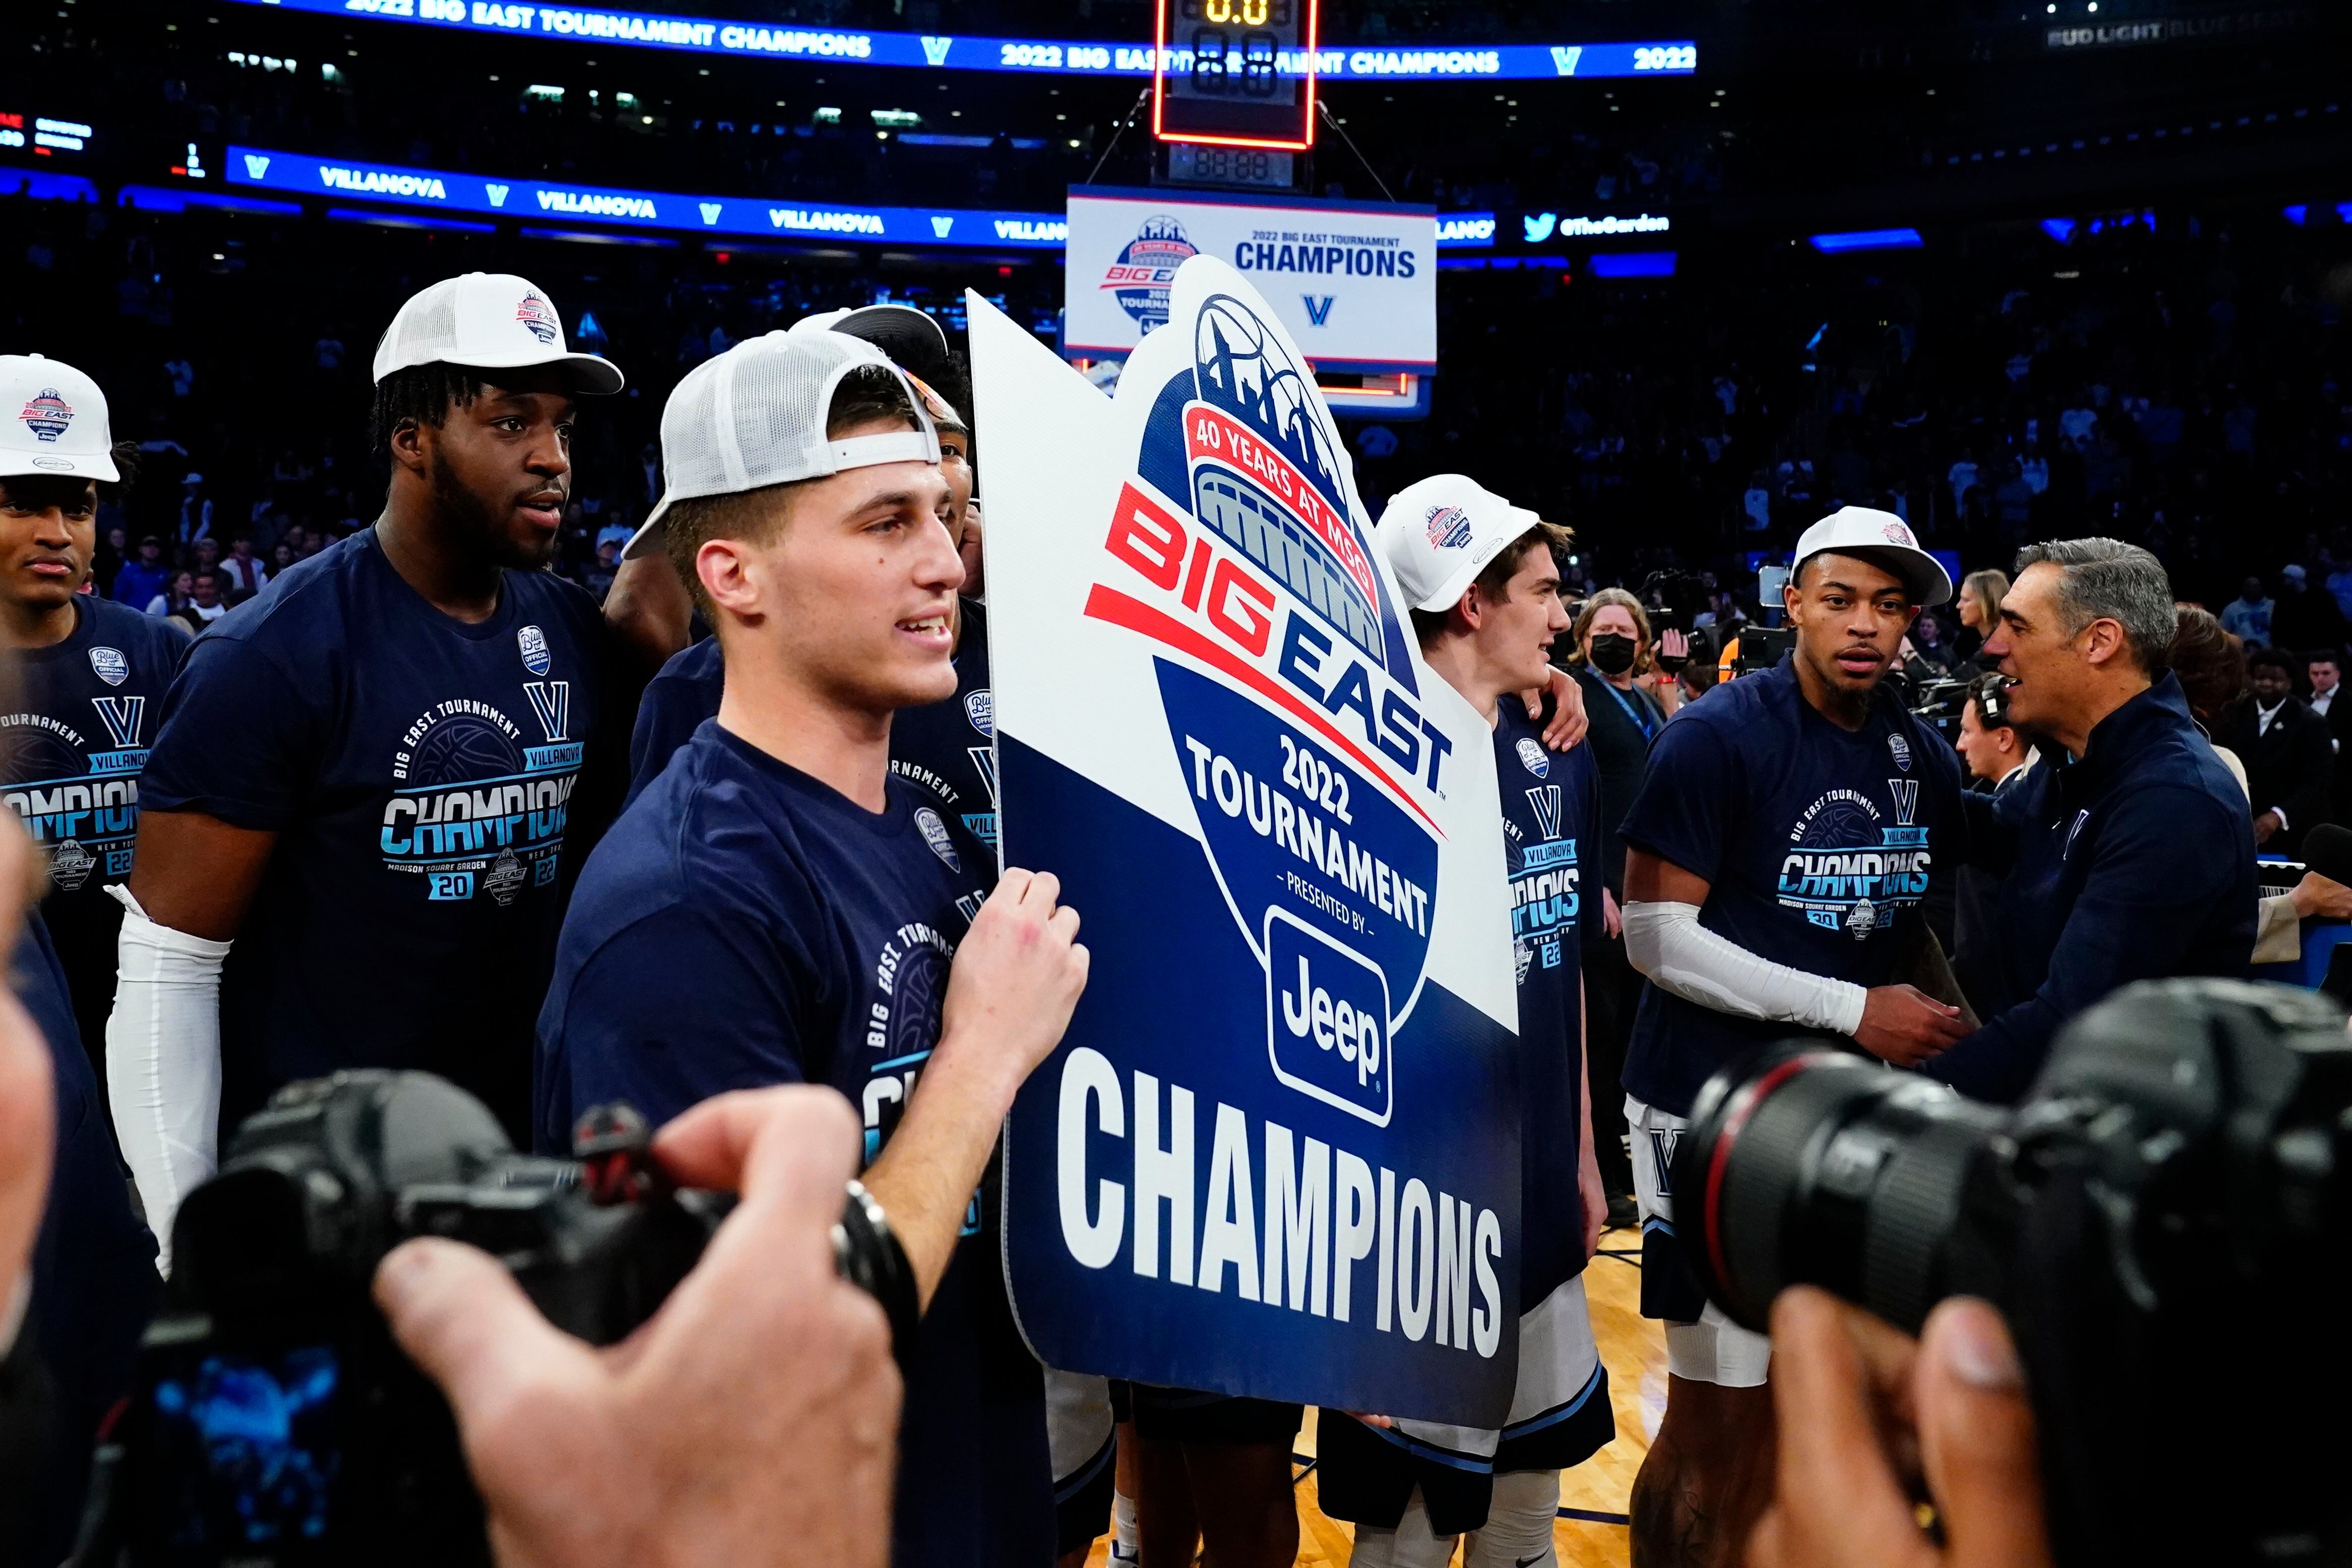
x,y
87,708
420,774
744,924
1551,802
1818,845
948,748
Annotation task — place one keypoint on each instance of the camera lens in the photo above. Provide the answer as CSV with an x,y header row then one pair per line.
x,y
1810,1166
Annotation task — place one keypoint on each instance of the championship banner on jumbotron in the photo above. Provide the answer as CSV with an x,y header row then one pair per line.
x,y
1353,283
1278,1152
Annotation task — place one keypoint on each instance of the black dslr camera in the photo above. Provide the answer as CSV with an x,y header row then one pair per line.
x,y
2163,1221
273,1420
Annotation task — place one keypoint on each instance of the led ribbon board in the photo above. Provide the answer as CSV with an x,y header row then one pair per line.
x,y
833,47
538,201
1276,1153
1353,283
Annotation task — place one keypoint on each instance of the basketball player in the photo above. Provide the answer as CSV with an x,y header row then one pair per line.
x,y
90,673
779,906
1483,579
1776,861
946,747
357,809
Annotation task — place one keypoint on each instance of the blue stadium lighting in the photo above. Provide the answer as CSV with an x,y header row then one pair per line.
x,y
2295,212
2344,211
174,199
1035,56
1869,239
406,220
42,188
2061,229
1631,264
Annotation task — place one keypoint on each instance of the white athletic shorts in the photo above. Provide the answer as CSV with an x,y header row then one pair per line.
x,y
1711,1348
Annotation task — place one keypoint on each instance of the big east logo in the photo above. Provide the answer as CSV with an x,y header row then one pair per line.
x,y
1139,280
46,415
1448,528
537,317
1310,800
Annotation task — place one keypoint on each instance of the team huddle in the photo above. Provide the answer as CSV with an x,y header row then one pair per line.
x,y
419,803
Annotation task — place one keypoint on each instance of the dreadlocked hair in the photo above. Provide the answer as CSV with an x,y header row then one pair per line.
x,y
421,395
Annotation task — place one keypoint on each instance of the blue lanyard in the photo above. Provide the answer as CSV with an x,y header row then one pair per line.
x,y
1636,710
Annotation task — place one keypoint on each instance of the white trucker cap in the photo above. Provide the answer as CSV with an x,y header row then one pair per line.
x,y
487,320
755,416
1883,538
1440,533
56,421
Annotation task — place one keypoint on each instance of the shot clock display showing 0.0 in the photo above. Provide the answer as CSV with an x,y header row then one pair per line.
x,y
1220,76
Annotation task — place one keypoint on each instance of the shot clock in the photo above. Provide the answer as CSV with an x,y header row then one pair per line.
x,y
1236,73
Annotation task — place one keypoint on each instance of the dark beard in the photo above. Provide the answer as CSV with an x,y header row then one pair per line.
x,y
475,527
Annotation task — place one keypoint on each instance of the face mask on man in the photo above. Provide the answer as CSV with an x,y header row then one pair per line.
x,y
1613,653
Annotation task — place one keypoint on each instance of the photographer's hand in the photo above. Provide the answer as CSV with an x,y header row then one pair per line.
x,y
1862,1411
1903,1025
752,1420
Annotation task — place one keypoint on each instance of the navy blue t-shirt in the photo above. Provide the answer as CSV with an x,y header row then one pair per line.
x,y
1818,845
945,748
94,1280
419,772
1552,807
87,708
742,925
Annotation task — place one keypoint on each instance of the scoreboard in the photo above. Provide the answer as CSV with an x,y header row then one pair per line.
x,y
1234,73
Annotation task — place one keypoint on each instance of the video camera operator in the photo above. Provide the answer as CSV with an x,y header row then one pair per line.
x,y
2135,862
1776,861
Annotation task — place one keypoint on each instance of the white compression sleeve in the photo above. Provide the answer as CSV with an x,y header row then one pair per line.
x,y
1665,941
162,1062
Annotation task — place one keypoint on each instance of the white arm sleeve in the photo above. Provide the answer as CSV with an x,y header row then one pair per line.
x,y
1665,941
162,1062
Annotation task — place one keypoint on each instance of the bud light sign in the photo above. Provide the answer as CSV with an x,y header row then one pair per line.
x,y
1276,1154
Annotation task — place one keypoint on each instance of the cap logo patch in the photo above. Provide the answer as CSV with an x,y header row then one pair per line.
x,y
46,416
110,665
534,642
1449,529
64,465
980,706
1533,757
1896,533
538,318
935,834
1901,749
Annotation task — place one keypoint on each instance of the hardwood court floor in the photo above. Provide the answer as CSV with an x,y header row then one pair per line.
x,y
1634,1350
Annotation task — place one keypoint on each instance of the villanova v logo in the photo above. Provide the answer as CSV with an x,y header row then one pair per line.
x,y
1545,800
984,758
123,717
1906,799
1318,308
551,701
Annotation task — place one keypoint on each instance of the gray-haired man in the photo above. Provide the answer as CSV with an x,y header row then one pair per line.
x,y
2135,862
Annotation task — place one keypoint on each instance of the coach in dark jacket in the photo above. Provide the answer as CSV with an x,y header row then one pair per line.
x,y
2135,860
2288,752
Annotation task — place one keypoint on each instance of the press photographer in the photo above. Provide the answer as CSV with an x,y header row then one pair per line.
x,y
2175,1181
281,1413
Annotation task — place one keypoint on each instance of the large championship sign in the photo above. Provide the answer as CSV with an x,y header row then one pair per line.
x,y
1278,1152
1353,283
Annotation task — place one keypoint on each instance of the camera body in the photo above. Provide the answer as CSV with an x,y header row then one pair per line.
x,y
2171,1198
273,1420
